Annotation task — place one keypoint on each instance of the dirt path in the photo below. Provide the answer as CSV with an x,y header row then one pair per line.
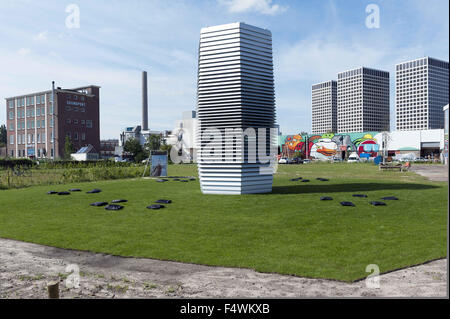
x,y
26,268
434,172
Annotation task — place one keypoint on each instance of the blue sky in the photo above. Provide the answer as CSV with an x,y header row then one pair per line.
x,y
312,42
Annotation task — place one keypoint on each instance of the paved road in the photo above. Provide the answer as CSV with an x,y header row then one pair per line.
x,y
434,172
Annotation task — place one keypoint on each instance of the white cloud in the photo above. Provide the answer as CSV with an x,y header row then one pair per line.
x,y
41,36
23,51
260,6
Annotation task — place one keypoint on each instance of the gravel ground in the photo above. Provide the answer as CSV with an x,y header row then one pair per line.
x,y
434,172
25,270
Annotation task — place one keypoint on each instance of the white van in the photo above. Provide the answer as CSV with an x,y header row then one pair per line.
x,y
353,158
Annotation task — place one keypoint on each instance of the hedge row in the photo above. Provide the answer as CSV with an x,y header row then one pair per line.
x,y
23,162
14,162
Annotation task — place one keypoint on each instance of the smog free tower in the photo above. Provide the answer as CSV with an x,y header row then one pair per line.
x,y
235,92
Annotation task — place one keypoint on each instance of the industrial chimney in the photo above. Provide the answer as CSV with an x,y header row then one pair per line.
x,y
144,102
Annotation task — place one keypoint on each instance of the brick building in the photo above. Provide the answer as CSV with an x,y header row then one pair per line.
x,y
108,147
32,120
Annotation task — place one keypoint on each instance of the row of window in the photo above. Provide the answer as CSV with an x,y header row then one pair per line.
x,y
83,122
30,124
29,112
40,153
75,136
40,138
74,97
29,100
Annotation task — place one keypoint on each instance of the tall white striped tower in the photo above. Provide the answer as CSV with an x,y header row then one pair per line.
x,y
235,91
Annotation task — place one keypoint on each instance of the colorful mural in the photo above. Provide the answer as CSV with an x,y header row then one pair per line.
x,y
330,145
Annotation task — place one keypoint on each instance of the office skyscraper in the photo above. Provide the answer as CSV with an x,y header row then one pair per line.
x,y
421,91
235,91
363,100
324,107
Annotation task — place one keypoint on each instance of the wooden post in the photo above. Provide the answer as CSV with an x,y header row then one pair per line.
x,y
53,290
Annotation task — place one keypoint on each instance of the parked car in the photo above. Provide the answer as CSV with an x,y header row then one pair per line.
x,y
283,160
337,160
297,160
353,158
306,161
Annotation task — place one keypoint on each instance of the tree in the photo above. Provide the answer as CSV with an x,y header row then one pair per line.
x,y
153,142
68,148
167,148
133,147
3,133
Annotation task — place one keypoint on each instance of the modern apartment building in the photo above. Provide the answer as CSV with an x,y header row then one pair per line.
x,y
235,91
324,107
37,128
421,93
363,100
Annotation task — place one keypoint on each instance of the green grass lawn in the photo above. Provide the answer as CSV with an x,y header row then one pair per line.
x,y
289,231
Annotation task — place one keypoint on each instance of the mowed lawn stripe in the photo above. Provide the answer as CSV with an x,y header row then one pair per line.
x,y
289,231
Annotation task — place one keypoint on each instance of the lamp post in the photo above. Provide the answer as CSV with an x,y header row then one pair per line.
x,y
307,146
53,120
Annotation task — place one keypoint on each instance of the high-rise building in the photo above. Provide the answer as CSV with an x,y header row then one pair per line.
x,y
363,100
324,107
421,91
34,124
235,91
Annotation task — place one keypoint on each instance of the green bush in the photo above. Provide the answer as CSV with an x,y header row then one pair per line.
x,y
9,163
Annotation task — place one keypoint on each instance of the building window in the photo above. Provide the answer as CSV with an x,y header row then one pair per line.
x,y
75,136
51,122
75,121
11,115
89,123
11,104
11,139
43,123
11,126
68,121
83,136
38,99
